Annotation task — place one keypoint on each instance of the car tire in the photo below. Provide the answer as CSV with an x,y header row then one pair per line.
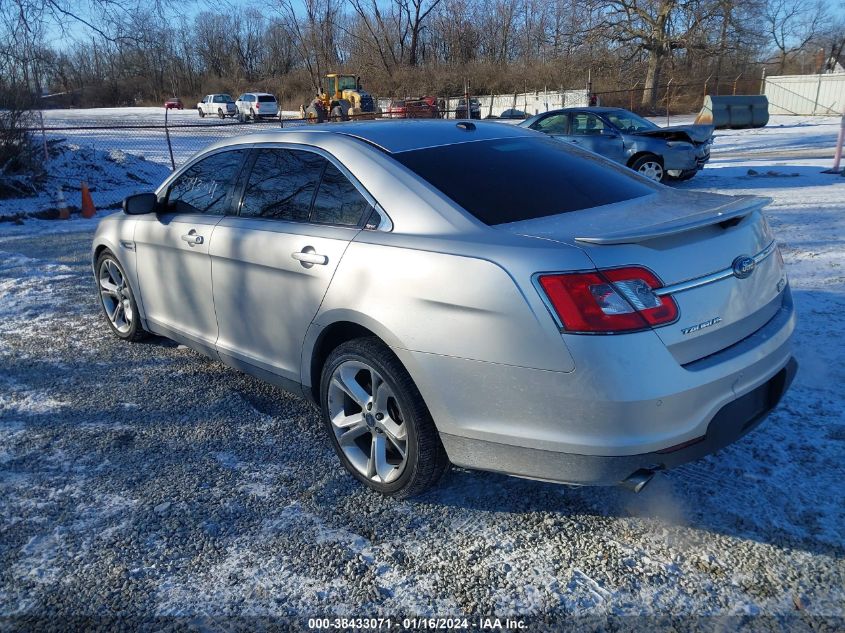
x,y
201,113
650,166
393,448
220,113
118,299
252,115
680,174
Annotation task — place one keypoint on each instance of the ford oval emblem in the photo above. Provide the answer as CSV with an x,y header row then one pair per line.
x,y
743,266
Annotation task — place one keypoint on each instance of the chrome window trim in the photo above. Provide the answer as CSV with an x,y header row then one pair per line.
x,y
713,277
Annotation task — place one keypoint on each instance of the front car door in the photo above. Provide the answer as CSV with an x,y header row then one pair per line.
x,y
174,268
272,263
590,131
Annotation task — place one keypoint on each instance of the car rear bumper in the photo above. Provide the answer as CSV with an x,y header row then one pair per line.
x,y
730,423
626,401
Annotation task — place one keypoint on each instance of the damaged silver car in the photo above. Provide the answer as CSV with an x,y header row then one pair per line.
x,y
662,154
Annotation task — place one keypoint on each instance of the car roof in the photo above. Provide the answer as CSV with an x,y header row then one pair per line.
x,y
403,136
260,94
392,137
583,108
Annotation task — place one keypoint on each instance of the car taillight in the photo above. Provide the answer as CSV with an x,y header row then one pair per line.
x,y
609,301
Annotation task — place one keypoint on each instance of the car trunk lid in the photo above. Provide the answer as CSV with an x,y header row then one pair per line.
x,y
692,242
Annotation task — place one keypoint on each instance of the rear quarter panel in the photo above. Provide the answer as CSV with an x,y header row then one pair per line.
x,y
442,303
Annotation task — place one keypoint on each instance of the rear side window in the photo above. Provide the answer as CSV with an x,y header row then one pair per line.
x,y
282,185
205,186
508,180
338,201
267,99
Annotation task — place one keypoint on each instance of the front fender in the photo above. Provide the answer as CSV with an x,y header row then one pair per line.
x,y
116,233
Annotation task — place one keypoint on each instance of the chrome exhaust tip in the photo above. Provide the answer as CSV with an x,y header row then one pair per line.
x,y
639,479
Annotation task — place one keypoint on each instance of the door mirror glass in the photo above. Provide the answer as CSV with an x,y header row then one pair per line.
x,y
140,204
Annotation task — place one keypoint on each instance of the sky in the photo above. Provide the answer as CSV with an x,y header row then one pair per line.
x,y
65,38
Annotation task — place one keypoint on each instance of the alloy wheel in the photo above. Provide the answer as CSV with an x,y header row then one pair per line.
x,y
652,170
367,421
114,294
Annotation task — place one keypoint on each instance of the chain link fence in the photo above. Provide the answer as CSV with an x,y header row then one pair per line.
x,y
676,97
115,158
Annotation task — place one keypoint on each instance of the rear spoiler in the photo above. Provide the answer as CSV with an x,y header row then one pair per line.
x,y
734,210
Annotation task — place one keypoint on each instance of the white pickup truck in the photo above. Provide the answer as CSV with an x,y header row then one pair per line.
x,y
220,104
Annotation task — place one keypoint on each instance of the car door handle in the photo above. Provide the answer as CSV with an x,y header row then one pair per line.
x,y
307,257
192,238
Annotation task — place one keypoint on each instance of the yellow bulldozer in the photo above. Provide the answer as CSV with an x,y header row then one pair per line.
x,y
341,99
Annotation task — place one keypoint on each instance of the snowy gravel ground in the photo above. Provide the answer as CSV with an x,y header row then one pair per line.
x,y
145,481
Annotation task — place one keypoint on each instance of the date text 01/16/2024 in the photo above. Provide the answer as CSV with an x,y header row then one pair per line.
x,y
418,624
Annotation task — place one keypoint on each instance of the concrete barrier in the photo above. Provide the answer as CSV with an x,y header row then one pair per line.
x,y
734,111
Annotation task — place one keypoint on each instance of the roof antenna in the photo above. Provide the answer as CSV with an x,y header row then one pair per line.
x,y
469,126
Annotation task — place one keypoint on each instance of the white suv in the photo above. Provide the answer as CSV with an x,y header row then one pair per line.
x,y
256,105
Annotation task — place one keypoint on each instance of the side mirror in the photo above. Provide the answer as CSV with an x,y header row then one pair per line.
x,y
609,132
140,204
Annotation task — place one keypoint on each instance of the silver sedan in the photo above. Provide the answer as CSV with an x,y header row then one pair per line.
x,y
467,293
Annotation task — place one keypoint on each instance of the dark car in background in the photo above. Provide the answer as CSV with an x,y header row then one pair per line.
x,y
174,103
677,152
510,114
474,109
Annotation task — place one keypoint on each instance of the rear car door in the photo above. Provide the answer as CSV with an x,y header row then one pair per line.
x,y
174,269
593,133
272,263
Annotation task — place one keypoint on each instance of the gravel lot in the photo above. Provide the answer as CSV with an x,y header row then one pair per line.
x,y
144,480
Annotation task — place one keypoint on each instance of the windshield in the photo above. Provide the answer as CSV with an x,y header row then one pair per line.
x,y
629,122
346,83
222,99
513,179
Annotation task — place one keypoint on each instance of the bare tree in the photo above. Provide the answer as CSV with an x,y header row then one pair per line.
x,y
792,24
314,34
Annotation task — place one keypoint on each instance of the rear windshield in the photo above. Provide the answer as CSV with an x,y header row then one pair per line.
x,y
266,99
513,179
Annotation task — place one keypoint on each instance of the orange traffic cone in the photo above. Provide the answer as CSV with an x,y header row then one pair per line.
x,y
88,209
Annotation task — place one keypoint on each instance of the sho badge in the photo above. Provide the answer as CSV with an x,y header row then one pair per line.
x,y
701,326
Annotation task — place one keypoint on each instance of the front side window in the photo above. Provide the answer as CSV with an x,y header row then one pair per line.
x,y
584,124
338,201
282,184
205,186
514,179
